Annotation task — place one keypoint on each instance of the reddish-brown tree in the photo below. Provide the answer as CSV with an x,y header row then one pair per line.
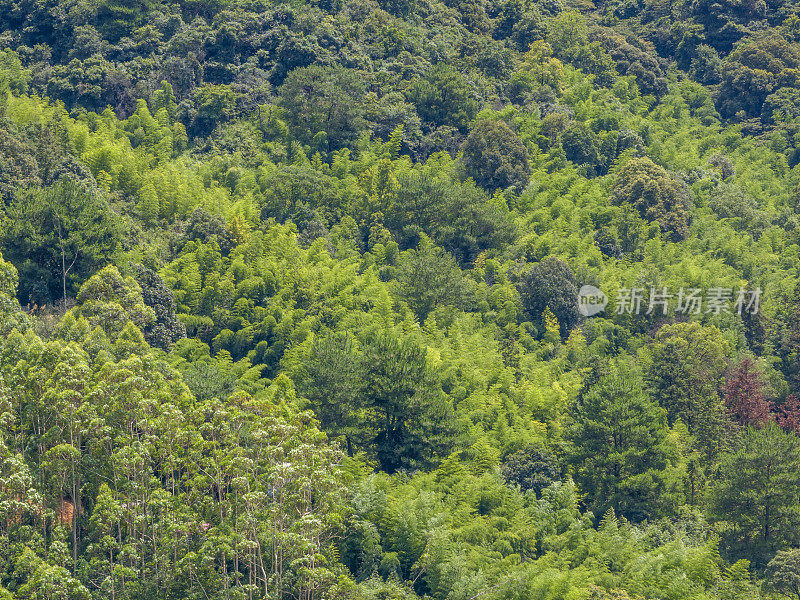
x,y
789,415
744,395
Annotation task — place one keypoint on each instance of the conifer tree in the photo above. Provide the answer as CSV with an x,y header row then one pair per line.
x,y
620,448
756,494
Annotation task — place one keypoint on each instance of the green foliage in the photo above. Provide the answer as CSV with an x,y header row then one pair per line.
x,y
756,495
444,98
494,156
754,70
166,329
428,278
207,228
656,195
258,460
323,106
11,315
57,237
581,145
210,104
392,206
109,301
684,369
621,450
328,377
13,77
457,216
550,284
531,468
783,573
408,411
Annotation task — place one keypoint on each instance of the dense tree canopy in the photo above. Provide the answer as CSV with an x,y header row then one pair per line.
x,y
293,300
656,194
757,497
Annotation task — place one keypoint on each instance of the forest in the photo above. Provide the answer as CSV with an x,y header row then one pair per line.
x,y
399,300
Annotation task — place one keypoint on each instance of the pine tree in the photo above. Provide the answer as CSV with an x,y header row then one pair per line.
x,y
756,494
620,447
684,371
411,418
330,379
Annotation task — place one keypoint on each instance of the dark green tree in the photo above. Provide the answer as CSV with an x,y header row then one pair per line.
x,y
428,277
755,69
115,19
656,194
208,106
443,97
706,65
330,379
410,416
581,145
783,573
324,106
620,448
495,157
57,237
551,284
755,498
456,215
202,226
167,328
531,468
684,371
292,190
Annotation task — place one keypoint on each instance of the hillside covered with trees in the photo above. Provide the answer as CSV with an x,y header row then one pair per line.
x,y
399,299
